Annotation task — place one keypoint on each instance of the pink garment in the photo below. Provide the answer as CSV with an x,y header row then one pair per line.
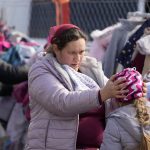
x,y
20,92
135,84
29,43
101,40
99,46
3,42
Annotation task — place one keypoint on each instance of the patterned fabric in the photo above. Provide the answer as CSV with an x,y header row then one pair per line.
x,y
12,56
3,43
80,81
126,54
135,84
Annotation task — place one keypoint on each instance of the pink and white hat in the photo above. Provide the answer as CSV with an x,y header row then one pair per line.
x,y
135,84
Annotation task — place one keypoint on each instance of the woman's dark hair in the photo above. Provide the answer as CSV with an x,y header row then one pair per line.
x,y
65,37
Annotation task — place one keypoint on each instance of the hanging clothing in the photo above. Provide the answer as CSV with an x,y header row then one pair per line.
x,y
101,40
118,40
125,56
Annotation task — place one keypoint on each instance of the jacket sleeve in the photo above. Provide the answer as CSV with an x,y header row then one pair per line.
x,y
111,138
46,90
10,74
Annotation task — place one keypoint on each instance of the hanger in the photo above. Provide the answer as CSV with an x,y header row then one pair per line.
x,y
137,15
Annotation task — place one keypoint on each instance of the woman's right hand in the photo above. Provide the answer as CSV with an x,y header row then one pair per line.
x,y
114,88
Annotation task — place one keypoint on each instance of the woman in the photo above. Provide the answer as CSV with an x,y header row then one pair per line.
x,y
67,91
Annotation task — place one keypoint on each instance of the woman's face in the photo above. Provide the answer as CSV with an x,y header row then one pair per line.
x,y
72,53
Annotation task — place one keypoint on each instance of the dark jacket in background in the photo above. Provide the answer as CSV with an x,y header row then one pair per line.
x,y
10,75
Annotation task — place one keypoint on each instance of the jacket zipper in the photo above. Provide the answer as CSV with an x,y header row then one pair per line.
x,y
77,125
46,133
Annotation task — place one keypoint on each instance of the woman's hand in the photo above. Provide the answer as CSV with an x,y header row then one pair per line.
x,y
114,89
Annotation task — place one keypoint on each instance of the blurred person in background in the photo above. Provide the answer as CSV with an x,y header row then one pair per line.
x,y
67,91
10,75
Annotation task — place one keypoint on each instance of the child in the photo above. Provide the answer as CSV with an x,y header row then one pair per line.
x,y
124,125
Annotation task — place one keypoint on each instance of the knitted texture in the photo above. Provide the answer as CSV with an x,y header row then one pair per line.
x,y
80,81
135,84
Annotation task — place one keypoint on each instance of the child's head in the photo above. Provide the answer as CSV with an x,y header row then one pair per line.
x,y
135,84
135,94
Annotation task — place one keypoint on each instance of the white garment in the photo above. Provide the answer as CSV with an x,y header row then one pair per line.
x,y
80,81
143,44
148,90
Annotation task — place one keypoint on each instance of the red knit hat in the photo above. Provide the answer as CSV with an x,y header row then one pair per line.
x,y
56,31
